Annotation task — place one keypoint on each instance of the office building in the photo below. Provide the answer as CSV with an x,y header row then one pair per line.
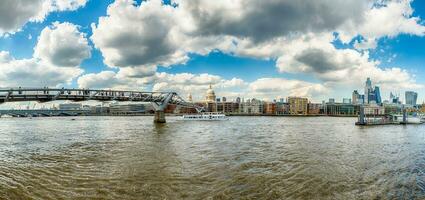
x,y
270,108
374,109
372,95
227,107
282,108
395,99
298,105
314,108
126,109
346,101
252,106
341,109
356,98
411,98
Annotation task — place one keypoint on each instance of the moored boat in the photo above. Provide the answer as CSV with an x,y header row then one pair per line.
x,y
411,119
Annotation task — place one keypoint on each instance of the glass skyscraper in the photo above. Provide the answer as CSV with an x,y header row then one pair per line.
x,y
372,95
411,98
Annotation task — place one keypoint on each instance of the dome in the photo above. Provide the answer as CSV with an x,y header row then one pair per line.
x,y
189,97
210,91
210,97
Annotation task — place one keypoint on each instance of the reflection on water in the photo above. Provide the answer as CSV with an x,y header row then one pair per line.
x,y
246,157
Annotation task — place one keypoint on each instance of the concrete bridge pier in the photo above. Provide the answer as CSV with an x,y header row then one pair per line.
x,y
159,117
159,109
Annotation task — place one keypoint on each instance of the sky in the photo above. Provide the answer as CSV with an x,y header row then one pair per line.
x,y
249,48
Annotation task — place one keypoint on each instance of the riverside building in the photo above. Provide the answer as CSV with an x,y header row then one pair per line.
x,y
270,108
298,105
252,107
314,108
127,109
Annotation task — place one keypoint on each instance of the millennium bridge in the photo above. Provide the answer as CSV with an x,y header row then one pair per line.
x,y
159,100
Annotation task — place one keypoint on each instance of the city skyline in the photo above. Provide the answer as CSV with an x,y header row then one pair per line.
x,y
96,44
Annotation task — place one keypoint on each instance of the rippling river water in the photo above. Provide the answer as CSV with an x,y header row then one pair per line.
x,y
243,158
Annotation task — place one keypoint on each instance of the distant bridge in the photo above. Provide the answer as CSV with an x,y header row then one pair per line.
x,y
159,100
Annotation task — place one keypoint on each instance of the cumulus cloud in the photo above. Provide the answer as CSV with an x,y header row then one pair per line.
x,y
102,80
58,53
61,5
388,19
33,73
139,35
315,55
16,13
279,87
197,84
62,45
183,83
165,34
299,35
263,20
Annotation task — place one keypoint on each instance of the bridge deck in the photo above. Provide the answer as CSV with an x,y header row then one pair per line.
x,y
159,100
46,95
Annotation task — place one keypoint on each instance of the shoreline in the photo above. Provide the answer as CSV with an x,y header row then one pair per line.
x,y
178,115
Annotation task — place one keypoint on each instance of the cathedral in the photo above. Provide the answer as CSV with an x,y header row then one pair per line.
x,y
210,97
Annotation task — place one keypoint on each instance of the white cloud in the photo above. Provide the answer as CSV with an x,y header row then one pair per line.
x,y
278,87
299,35
16,13
197,85
58,54
315,55
265,20
390,19
183,83
138,36
61,5
62,45
102,80
5,57
34,73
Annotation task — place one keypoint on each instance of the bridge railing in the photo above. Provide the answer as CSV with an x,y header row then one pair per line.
x,y
51,94
42,91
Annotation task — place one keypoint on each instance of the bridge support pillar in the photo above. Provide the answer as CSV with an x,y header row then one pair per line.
x,y
159,117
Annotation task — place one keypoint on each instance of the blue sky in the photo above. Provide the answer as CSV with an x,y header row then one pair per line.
x,y
253,73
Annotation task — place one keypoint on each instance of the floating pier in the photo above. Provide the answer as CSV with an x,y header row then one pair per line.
x,y
386,119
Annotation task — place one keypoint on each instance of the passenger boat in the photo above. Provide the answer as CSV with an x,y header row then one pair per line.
x,y
410,119
207,116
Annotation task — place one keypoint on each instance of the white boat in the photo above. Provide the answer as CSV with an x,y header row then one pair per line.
x,y
410,119
422,117
207,116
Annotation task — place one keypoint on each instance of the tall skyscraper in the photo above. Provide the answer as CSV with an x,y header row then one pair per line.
x,y
355,97
367,90
411,98
377,92
394,98
372,95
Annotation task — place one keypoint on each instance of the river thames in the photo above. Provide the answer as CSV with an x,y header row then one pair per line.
x,y
243,158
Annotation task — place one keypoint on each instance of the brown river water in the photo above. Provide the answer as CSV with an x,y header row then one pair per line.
x,y
243,158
